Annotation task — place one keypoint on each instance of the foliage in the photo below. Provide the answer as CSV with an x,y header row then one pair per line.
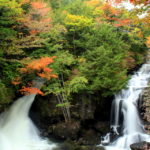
x,y
30,90
74,22
35,68
136,2
6,94
96,45
36,20
11,12
104,62
148,41
39,66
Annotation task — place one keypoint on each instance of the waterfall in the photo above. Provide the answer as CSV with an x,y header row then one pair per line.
x,y
18,132
125,121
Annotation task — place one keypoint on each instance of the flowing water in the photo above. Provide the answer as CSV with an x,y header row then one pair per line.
x,y
125,120
18,132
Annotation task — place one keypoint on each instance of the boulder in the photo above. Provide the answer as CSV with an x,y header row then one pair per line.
x,y
140,146
89,137
66,130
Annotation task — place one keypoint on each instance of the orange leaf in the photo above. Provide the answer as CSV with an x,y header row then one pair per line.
x,y
15,82
30,90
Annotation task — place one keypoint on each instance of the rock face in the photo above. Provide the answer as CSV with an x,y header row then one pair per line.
x,y
90,121
66,130
140,146
144,103
145,108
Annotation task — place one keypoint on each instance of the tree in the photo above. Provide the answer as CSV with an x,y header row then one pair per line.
x,y
10,16
36,20
69,81
76,25
103,65
96,45
136,2
148,42
11,12
35,68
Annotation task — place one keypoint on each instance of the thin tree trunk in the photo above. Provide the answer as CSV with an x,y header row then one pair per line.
x,y
64,99
63,110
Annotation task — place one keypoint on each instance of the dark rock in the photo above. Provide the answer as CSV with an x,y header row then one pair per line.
x,y
87,110
84,108
102,127
86,131
66,130
140,146
70,145
144,105
89,137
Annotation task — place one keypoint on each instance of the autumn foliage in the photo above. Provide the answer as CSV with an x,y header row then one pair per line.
x,y
145,2
16,81
136,2
38,19
93,3
108,13
30,90
124,22
38,67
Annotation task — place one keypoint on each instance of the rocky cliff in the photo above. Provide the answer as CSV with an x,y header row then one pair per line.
x,y
144,102
145,108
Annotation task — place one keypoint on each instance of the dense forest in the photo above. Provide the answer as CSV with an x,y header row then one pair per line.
x,y
85,50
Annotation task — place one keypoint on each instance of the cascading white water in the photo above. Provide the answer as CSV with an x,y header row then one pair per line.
x,y
124,106
17,131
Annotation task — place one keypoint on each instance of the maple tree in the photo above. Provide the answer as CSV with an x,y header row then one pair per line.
x,y
30,90
107,12
39,68
37,20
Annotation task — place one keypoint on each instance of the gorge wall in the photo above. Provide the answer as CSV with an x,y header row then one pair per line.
x,y
144,103
145,108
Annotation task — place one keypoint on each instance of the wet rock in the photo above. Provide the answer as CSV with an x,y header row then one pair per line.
x,y
140,146
69,145
66,130
145,108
